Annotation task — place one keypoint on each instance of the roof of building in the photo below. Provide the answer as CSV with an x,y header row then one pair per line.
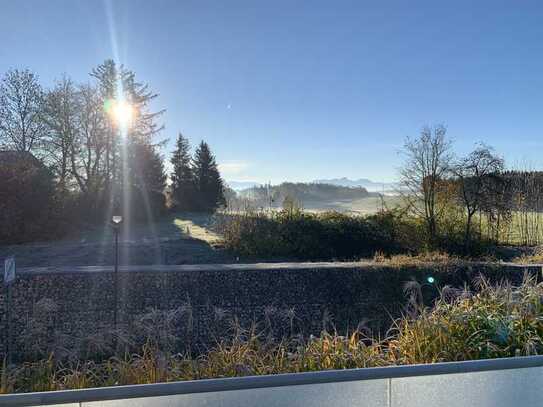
x,y
10,157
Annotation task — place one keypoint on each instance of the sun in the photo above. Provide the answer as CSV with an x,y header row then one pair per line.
x,y
123,113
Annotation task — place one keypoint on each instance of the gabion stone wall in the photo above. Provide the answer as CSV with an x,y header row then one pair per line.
x,y
198,303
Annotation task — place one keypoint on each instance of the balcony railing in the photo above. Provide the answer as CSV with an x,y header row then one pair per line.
x,y
512,382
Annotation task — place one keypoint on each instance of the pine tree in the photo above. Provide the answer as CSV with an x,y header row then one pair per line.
x,y
182,177
148,181
208,182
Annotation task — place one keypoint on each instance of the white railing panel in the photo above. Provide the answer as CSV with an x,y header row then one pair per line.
x,y
498,388
370,393
50,405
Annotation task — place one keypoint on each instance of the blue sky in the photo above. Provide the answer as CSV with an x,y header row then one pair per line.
x,y
292,90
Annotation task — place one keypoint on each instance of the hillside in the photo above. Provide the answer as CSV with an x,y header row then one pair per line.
x,y
312,196
368,184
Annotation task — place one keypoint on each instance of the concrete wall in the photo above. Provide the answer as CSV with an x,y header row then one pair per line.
x,y
71,303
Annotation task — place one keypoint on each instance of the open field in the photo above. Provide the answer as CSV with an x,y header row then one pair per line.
x,y
360,206
525,228
522,229
366,206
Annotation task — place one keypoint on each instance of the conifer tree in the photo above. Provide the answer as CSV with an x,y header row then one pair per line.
x,y
148,180
208,182
182,177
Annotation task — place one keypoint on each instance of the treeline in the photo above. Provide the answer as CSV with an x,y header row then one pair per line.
x,y
288,193
92,148
465,202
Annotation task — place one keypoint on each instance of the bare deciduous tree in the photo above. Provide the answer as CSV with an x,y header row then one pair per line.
x,y
21,102
87,152
428,159
476,174
60,113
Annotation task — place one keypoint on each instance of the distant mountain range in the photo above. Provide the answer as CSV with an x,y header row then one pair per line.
x,y
309,195
370,185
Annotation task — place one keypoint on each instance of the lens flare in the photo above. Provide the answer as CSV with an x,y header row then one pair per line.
x,y
122,113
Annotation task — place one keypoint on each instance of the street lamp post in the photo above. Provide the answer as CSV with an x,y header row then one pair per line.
x,y
116,221
122,114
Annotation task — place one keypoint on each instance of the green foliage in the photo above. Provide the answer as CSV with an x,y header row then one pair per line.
x,y
196,182
330,235
294,233
182,176
207,180
452,238
27,197
148,181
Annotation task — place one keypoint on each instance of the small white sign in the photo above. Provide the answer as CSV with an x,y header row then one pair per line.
x,y
9,270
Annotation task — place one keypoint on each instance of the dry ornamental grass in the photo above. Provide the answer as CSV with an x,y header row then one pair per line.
x,y
494,322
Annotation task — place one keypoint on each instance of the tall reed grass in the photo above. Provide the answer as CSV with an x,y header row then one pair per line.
x,y
496,321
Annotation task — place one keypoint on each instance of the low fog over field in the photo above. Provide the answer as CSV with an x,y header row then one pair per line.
x,y
340,194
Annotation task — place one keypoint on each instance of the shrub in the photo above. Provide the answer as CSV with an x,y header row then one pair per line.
x,y
330,235
536,257
294,233
426,258
26,198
